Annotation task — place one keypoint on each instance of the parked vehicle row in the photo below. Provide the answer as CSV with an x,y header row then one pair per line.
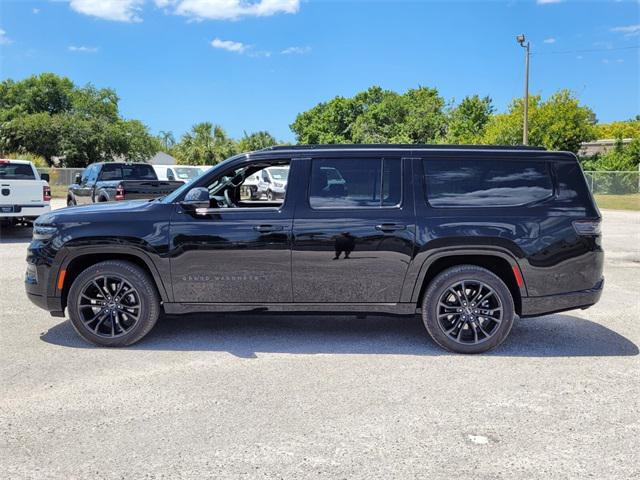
x,y
24,193
468,237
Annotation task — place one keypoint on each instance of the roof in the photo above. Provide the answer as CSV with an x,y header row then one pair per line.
x,y
13,160
401,146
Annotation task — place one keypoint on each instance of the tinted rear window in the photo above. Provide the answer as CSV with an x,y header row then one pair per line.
x,y
16,171
485,183
355,183
127,172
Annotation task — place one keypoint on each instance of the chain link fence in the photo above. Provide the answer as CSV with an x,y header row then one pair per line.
x,y
613,183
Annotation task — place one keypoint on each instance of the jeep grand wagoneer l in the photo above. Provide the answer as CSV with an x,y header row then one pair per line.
x,y
468,237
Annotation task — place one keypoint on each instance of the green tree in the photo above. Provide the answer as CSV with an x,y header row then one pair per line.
x,y
628,129
559,123
205,144
467,121
256,141
49,116
167,140
374,116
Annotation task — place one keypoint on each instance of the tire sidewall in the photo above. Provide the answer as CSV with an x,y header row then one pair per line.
x,y
454,275
149,302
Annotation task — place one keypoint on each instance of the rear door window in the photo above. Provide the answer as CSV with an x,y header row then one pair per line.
x,y
355,183
486,183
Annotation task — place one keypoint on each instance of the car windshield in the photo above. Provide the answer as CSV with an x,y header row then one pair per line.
x,y
279,173
16,171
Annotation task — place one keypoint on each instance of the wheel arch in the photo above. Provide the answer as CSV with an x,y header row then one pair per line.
x,y
500,263
82,260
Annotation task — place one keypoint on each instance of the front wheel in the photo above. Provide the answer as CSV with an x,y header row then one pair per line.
x,y
113,303
270,195
468,309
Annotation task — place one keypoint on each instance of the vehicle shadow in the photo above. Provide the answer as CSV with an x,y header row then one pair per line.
x,y
246,335
15,234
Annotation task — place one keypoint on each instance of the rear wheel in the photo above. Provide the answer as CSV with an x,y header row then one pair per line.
x,y
71,202
468,309
113,303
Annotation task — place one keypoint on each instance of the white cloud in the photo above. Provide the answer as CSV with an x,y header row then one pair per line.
x,y
296,50
550,40
116,10
629,30
82,49
546,2
35,11
4,40
229,9
229,45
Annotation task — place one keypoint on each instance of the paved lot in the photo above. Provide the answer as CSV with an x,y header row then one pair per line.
x,y
329,397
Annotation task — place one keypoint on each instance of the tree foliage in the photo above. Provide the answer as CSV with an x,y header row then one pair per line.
x,y
256,141
628,129
204,144
375,116
466,122
49,116
559,123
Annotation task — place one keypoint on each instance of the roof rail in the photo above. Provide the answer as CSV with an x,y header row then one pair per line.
x,y
410,146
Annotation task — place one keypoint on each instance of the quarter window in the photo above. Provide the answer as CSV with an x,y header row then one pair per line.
x,y
485,183
355,183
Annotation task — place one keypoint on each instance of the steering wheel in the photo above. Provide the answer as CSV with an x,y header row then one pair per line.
x,y
227,199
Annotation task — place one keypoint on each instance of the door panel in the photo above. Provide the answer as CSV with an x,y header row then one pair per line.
x,y
233,255
351,255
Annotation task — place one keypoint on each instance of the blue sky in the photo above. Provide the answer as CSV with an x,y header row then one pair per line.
x,y
253,65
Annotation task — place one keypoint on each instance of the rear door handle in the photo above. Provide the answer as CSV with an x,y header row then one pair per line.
x,y
390,227
268,228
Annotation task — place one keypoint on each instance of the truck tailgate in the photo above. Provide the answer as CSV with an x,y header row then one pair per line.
x,y
21,192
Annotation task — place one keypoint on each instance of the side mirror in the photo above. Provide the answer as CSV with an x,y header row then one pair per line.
x,y
77,179
196,198
45,177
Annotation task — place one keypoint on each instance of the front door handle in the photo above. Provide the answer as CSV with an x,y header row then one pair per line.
x,y
268,228
390,227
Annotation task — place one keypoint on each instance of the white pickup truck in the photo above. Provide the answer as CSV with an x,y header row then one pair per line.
x,y
24,193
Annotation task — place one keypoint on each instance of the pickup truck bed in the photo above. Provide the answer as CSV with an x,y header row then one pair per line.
x,y
23,194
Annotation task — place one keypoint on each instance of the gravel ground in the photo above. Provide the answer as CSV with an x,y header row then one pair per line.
x,y
329,397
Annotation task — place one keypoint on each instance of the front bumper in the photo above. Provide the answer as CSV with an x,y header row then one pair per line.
x,y
534,306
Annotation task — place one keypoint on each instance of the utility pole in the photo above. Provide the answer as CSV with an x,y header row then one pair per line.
x,y
525,129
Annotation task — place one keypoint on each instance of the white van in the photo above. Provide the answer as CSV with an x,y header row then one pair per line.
x,y
183,173
270,182
24,193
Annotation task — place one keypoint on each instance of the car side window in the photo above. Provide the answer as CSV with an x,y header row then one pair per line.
x,y
170,175
486,183
355,183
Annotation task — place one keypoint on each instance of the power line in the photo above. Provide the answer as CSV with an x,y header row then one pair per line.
x,y
564,52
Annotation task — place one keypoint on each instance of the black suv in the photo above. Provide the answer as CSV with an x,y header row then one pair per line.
x,y
468,237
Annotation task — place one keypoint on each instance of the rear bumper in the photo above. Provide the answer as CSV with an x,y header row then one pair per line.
x,y
25,211
533,306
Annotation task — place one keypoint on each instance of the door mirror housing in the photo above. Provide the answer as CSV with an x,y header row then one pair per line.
x,y
196,198
77,179
45,177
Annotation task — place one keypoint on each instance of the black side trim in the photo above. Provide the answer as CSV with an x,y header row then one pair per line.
x,y
316,308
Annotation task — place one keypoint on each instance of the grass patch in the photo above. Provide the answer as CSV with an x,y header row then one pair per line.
x,y
630,201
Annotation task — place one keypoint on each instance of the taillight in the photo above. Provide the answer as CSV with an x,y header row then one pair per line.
x,y
46,193
119,193
587,227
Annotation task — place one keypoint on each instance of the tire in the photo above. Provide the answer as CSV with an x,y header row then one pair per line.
x,y
71,202
456,322
270,195
97,282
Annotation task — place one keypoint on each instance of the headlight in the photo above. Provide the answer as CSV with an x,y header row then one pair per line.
x,y
277,184
43,232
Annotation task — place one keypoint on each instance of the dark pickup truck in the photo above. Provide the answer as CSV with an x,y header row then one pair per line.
x,y
108,182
